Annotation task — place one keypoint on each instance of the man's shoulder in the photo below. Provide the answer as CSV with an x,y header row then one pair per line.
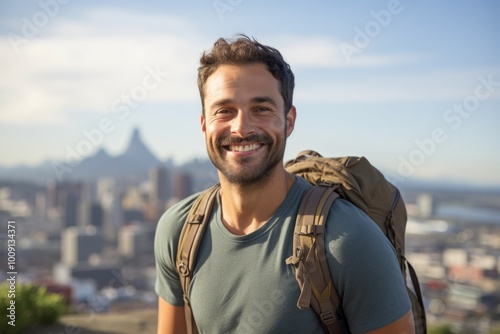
x,y
348,221
301,185
343,208
173,218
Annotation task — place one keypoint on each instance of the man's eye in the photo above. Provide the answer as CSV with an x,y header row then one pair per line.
x,y
261,109
222,111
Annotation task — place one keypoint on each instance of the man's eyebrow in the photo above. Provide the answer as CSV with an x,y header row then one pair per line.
x,y
221,103
264,99
257,99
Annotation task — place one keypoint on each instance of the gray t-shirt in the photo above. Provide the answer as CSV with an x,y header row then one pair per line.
x,y
241,284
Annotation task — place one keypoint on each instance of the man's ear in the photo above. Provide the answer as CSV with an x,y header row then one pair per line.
x,y
290,120
203,123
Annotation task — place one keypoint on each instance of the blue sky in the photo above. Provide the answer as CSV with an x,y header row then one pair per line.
x,y
412,85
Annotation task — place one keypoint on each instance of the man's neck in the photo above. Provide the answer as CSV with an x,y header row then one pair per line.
x,y
244,209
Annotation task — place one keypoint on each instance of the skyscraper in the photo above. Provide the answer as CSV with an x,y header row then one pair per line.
x,y
70,209
107,195
78,244
136,242
90,213
160,190
66,197
183,185
159,193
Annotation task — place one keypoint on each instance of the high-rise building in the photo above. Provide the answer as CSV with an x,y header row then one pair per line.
x,y
57,192
106,191
65,196
41,205
70,209
90,214
158,178
136,242
79,244
425,206
52,198
183,185
107,195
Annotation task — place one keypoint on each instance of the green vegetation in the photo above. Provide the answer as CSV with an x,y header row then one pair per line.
x,y
448,329
28,306
440,329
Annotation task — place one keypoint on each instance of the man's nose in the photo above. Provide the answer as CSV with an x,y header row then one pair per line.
x,y
242,125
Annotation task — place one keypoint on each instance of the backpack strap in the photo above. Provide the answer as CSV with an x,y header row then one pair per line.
x,y
189,242
309,258
417,302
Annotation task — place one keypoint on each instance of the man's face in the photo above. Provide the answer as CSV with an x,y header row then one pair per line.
x,y
244,123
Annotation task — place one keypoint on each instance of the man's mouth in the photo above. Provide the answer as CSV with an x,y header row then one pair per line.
x,y
243,148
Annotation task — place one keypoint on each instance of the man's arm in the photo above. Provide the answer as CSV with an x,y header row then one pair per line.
x,y
171,319
403,325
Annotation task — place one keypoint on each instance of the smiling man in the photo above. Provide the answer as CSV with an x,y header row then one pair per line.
x,y
245,147
240,283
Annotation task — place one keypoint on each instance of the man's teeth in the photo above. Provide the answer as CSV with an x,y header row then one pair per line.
x,y
244,148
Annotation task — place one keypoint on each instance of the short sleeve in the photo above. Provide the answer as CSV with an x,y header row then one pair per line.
x,y
365,269
167,234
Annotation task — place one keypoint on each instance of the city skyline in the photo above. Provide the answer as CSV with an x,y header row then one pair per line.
x,y
406,84
138,161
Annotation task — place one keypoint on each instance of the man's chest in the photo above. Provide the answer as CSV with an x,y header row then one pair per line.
x,y
247,288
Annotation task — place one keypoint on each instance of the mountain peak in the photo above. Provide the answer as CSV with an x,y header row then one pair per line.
x,y
138,151
136,144
136,136
102,154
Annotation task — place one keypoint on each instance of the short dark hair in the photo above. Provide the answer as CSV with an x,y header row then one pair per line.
x,y
242,51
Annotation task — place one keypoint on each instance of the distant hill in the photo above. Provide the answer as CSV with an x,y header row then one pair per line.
x,y
134,163
137,160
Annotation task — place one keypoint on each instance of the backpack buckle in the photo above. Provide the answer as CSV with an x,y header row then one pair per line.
x,y
328,318
309,230
183,269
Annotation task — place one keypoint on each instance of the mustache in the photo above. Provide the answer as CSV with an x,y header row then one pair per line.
x,y
233,140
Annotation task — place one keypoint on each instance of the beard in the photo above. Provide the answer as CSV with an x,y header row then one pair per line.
x,y
250,171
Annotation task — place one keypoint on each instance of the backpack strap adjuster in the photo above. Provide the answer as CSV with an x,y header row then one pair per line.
x,y
197,219
309,229
328,318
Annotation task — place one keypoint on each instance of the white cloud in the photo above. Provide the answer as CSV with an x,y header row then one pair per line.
x,y
374,77
406,85
87,66
325,52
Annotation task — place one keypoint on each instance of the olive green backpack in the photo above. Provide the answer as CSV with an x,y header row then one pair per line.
x,y
350,178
